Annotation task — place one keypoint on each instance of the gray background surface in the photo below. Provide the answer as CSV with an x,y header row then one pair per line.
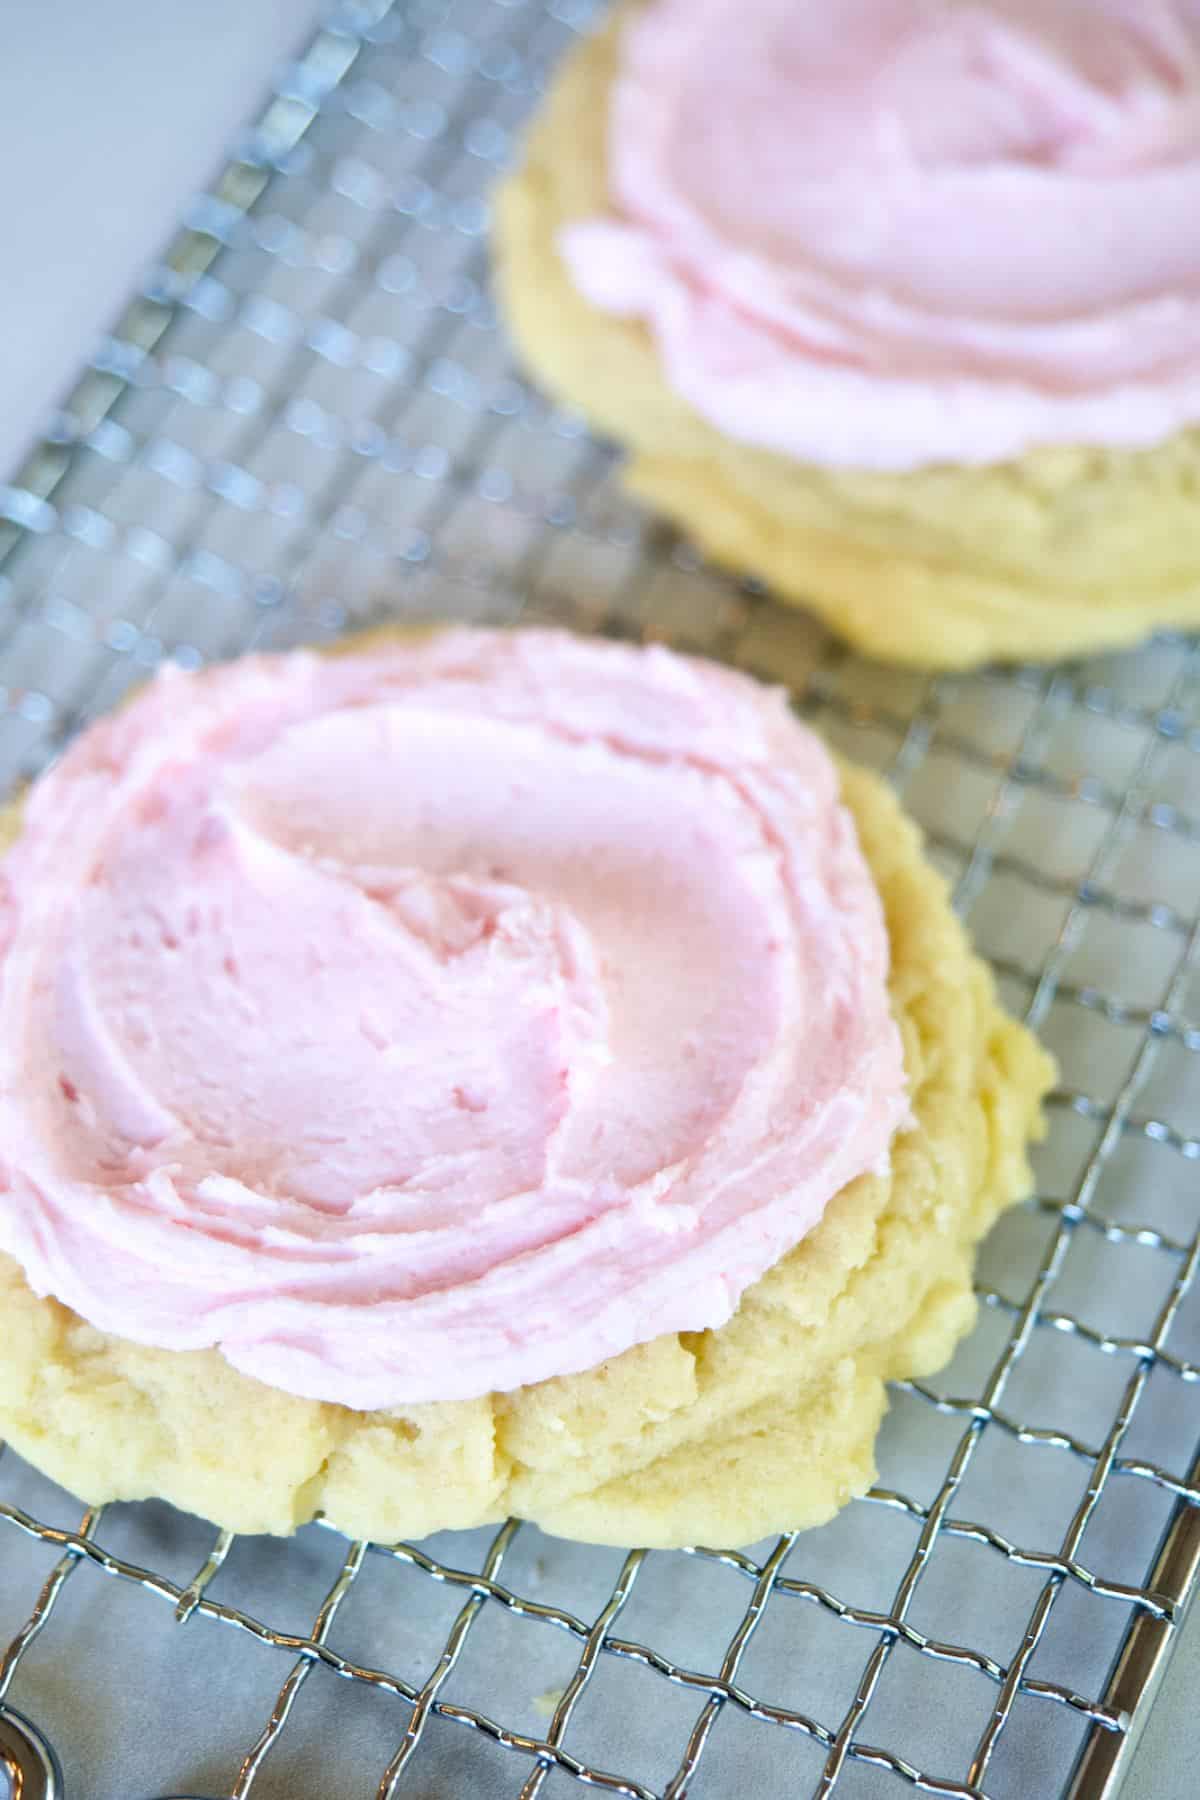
x,y
111,114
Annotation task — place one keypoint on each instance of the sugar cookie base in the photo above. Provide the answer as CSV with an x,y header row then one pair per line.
x,y
720,1436
1062,551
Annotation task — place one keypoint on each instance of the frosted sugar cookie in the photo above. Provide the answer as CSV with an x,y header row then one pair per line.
x,y
894,304
492,1072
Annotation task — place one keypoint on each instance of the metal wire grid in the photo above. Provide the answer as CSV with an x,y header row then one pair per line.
x,y
308,420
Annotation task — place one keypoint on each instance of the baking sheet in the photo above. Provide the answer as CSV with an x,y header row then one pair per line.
x,y
330,432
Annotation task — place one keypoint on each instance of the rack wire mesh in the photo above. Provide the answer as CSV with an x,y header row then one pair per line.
x,y
307,420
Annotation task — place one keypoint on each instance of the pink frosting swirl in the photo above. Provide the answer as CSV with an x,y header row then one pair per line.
x,y
887,233
434,1019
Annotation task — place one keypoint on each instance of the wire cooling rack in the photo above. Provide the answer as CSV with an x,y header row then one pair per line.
x,y
308,420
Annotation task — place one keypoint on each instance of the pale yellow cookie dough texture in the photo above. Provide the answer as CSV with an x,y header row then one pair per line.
x,y
715,1436
1063,551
